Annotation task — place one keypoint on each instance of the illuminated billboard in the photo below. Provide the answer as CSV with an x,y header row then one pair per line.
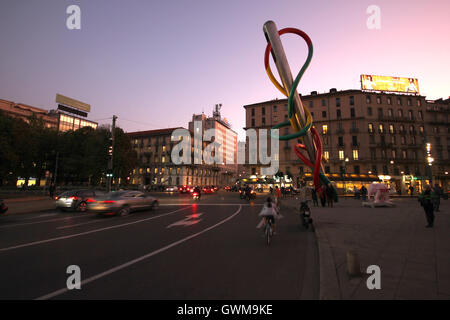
x,y
390,84
73,103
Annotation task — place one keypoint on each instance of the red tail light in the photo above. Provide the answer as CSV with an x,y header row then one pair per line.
x,y
90,200
56,198
195,194
108,201
74,198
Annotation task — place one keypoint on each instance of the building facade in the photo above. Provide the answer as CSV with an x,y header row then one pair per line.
x,y
57,119
155,168
366,136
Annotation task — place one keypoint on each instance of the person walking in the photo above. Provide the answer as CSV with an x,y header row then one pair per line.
x,y
411,190
314,197
426,201
323,195
51,190
364,193
329,192
278,197
438,193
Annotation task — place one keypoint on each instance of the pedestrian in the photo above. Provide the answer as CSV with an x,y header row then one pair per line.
x,y
323,195
438,193
364,193
329,192
51,190
278,197
411,190
426,201
314,197
271,190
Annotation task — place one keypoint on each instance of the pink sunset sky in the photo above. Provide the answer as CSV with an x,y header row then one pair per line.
x,y
155,63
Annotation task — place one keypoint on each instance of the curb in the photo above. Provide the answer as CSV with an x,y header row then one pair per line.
x,y
328,280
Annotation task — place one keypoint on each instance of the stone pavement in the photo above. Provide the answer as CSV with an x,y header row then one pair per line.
x,y
414,260
29,205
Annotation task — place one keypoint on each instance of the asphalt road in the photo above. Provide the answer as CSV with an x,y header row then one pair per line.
x,y
207,250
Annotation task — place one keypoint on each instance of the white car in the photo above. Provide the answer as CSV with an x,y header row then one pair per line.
x,y
171,189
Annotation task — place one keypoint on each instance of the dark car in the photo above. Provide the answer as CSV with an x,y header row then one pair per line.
x,y
3,207
76,199
184,189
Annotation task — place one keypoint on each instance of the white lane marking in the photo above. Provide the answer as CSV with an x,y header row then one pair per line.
x,y
86,232
188,221
211,204
148,255
43,221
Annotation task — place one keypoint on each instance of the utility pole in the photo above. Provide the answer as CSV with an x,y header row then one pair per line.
x,y
109,173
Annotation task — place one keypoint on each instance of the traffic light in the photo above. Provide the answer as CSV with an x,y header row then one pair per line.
x,y
110,150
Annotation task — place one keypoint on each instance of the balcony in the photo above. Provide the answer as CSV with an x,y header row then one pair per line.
x,y
354,130
340,131
384,145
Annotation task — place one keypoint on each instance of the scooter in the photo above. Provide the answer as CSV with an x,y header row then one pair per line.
x,y
305,216
3,207
196,196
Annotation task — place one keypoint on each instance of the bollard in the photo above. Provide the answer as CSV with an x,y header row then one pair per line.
x,y
353,264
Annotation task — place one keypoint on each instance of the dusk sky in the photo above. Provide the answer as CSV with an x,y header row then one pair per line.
x,y
155,63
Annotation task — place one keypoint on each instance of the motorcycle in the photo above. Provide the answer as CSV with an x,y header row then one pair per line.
x,y
195,196
305,216
3,207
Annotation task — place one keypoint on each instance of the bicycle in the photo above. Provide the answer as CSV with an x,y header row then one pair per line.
x,y
268,230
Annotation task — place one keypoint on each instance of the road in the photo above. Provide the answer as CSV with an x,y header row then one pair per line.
x,y
207,250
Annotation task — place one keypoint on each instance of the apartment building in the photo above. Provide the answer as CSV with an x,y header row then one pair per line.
x,y
367,136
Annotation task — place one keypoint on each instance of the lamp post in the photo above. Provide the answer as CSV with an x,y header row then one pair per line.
x,y
345,172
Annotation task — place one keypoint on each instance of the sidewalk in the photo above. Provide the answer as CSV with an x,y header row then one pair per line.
x,y
29,205
414,260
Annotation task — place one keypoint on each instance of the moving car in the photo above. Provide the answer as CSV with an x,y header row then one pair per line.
x,y
122,203
184,189
171,189
76,199
207,190
3,207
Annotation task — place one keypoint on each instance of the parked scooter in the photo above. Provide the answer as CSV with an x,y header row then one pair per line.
x,y
3,207
305,216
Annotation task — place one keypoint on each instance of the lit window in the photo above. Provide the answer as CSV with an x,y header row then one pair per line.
x,y
391,128
370,127
326,154
355,155
341,155
324,129
381,128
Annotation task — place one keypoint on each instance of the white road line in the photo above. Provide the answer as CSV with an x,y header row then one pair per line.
x,y
148,255
210,204
87,232
43,221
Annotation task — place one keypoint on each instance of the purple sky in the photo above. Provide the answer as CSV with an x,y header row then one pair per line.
x,y
158,62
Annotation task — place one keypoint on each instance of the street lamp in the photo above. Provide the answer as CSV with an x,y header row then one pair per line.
x,y
345,172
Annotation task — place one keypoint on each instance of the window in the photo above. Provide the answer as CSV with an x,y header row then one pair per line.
x,y
391,128
357,170
393,154
341,141
326,154
393,139
354,140
399,101
369,111
389,100
373,154
421,129
411,129
341,155
390,113
370,127
355,155
253,122
352,100
403,140
285,107
371,139
413,140
253,112
324,114
274,108
379,100
352,112
400,113
338,102
380,112
381,128
420,114
419,103
324,129
311,104
324,103
404,155
368,99
263,111
410,115
409,101
338,114
263,121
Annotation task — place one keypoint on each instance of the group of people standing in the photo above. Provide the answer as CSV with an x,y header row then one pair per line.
x,y
326,196
430,200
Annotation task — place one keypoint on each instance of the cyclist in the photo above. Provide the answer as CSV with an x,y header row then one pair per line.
x,y
269,213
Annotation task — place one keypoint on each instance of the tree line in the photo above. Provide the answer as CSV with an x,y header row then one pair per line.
x,y
30,149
